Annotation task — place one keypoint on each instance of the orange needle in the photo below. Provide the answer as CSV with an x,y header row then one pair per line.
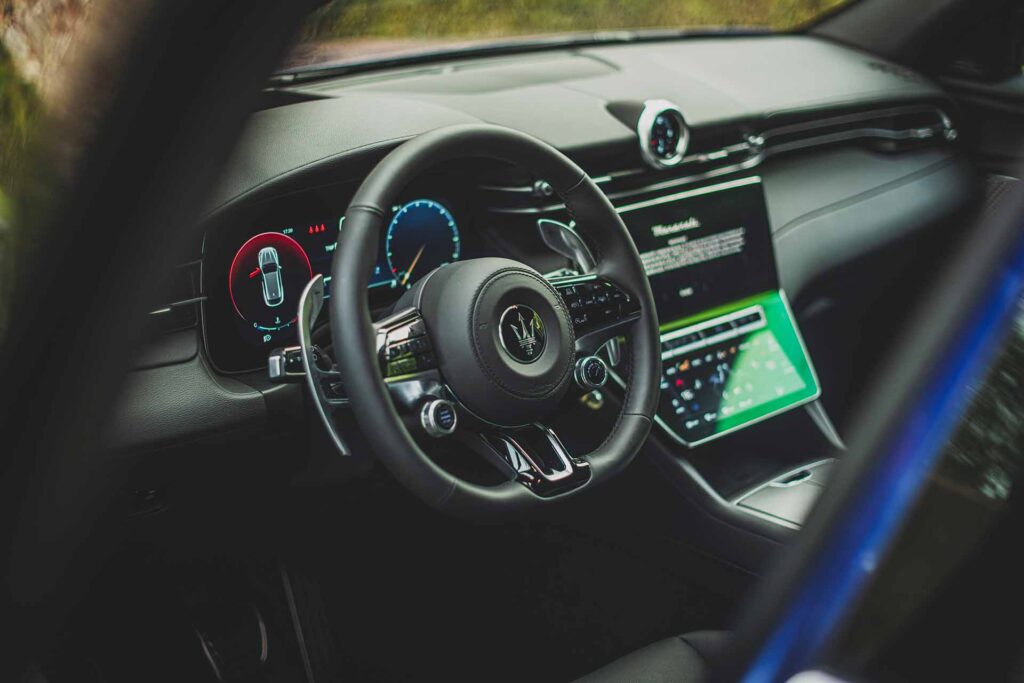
x,y
412,265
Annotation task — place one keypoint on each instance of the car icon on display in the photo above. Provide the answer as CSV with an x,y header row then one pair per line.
x,y
270,268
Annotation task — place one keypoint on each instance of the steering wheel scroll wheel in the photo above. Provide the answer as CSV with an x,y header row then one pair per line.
x,y
485,352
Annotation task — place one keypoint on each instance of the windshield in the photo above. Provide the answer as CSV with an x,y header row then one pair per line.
x,y
364,30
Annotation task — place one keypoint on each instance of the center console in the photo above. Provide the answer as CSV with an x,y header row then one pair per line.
x,y
731,351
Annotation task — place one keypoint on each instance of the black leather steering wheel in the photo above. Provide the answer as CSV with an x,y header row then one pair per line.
x,y
490,342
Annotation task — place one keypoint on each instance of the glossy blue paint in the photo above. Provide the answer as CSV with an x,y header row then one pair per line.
x,y
871,523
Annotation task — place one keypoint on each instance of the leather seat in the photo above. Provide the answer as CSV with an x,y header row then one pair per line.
x,y
682,659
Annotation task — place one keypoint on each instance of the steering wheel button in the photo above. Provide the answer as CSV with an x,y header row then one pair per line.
x,y
591,373
445,417
403,366
438,418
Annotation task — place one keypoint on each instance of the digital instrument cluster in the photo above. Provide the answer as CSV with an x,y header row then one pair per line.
x,y
421,236
255,269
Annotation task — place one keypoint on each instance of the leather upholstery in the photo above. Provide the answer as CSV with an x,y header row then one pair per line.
x,y
683,659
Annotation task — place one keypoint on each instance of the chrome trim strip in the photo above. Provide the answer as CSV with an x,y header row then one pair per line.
x,y
926,133
747,164
556,446
758,155
179,304
859,116
571,279
710,189
796,470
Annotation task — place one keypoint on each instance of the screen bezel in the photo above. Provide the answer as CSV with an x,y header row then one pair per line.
x,y
767,292
766,280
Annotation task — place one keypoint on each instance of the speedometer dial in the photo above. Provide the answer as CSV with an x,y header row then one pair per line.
x,y
422,235
266,279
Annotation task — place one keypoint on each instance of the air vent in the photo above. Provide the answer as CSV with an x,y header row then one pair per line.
x,y
711,153
720,151
895,129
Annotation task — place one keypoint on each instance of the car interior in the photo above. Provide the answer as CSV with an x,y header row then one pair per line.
x,y
512,364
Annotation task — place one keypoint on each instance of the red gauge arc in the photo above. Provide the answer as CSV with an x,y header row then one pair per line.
x,y
266,279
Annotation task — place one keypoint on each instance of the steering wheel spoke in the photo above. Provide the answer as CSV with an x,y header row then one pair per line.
x,y
600,310
325,386
332,389
404,350
409,366
534,456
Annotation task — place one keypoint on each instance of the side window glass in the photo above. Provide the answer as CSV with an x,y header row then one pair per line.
x,y
949,534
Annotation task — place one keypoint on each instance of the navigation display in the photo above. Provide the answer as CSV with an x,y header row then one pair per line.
x,y
705,247
731,353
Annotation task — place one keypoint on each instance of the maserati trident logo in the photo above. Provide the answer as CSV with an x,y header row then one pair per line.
x,y
521,332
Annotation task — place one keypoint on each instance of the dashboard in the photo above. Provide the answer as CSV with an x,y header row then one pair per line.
x,y
732,353
841,160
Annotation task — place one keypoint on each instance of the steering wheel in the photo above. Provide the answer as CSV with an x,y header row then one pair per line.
x,y
483,352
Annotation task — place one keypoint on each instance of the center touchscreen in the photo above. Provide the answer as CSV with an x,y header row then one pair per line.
x,y
731,351
705,247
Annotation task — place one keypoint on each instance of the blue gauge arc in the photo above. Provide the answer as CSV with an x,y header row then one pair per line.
x,y
422,236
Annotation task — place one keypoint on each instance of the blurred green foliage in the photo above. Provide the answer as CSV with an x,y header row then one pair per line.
x,y
20,110
20,123
495,18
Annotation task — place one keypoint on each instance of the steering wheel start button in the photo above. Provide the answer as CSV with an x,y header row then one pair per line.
x,y
590,373
438,418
